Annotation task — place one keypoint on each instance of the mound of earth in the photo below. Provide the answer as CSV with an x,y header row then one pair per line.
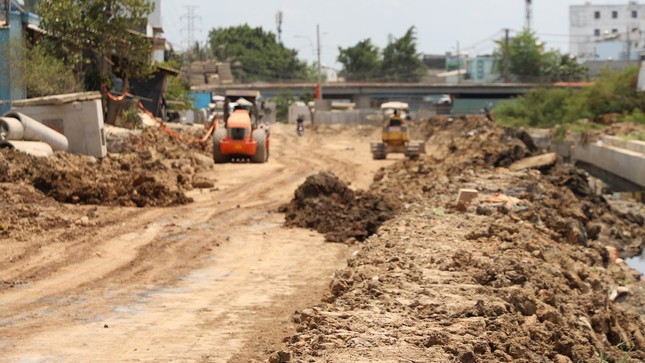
x,y
524,273
324,203
153,169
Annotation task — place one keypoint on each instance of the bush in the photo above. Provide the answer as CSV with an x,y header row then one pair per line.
x,y
614,92
40,73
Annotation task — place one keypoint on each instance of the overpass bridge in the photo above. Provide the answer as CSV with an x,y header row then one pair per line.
x,y
368,94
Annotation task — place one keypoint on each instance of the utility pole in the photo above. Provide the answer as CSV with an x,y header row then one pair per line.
x,y
506,56
278,22
189,29
529,15
458,64
320,91
629,44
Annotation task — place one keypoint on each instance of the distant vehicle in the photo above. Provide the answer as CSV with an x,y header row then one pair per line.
x,y
444,105
300,128
242,136
395,135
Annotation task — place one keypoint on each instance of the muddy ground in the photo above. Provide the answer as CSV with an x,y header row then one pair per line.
x,y
153,253
525,273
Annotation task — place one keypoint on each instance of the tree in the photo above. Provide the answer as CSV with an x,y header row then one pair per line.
x,y
361,62
401,62
566,68
255,55
530,62
92,34
40,73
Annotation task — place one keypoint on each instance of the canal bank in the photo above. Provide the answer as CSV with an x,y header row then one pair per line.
x,y
616,164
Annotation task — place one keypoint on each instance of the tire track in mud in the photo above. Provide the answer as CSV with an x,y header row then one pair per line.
x,y
237,256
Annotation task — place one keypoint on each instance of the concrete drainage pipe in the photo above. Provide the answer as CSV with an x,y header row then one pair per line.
x,y
35,131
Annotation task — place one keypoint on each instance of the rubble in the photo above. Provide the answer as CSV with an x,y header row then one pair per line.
x,y
142,175
523,274
323,202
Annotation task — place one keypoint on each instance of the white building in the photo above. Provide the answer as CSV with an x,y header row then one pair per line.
x,y
590,24
154,31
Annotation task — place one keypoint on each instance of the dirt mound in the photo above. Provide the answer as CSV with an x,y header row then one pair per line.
x,y
324,203
522,274
152,170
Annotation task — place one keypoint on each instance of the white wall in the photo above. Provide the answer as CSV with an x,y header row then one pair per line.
x,y
583,24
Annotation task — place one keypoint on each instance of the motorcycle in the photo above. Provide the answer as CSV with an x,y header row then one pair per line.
x,y
300,128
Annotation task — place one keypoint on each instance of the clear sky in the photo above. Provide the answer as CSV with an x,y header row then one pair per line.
x,y
440,25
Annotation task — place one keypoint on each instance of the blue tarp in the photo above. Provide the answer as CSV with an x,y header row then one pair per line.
x,y
201,99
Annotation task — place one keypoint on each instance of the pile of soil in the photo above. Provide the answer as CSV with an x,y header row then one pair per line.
x,y
324,203
153,169
525,273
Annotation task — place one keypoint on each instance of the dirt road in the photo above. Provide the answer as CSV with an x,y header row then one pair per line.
x,y
215,280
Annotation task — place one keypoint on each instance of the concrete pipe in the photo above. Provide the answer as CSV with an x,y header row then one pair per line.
x,y
35,148
35,131
11,129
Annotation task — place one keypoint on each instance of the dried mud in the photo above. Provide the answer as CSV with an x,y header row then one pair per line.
x,y
324,203
525,273
151,169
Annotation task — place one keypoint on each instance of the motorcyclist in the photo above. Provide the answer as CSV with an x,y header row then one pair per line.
x,y
300,129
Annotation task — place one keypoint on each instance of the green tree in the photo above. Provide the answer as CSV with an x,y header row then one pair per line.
x,y
37,71
612,93
530,62
31,5
566,68
255,54
91,34
361,62
178,88
401,62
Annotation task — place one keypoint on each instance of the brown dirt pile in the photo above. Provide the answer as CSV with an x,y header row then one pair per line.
x,y
324,203
522,274
153,169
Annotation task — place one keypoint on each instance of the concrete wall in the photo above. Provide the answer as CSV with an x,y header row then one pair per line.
x,y
353,117
625,163
622,158
80,121
633,145
583,26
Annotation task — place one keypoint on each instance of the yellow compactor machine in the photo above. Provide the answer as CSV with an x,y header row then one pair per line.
x,y
396,135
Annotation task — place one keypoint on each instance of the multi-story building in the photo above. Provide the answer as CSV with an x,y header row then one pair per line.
x,y
591,25
154,30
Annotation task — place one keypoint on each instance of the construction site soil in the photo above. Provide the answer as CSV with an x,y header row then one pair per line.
x,y
529,271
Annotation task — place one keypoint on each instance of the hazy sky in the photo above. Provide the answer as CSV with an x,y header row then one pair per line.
x,y
440,25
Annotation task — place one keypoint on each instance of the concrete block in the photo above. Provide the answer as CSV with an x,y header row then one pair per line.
x,y
77,116
534,162
466,196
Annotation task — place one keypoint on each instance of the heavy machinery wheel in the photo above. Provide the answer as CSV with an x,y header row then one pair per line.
x,y
218,136
378,151
378,156
261,154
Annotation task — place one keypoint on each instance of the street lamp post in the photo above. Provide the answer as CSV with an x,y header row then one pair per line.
x,y
319,66
320,91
